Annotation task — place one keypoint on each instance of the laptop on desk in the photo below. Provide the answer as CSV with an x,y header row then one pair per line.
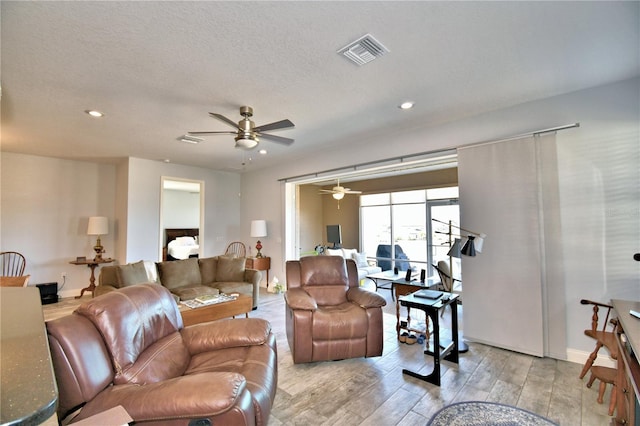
x,y
428,294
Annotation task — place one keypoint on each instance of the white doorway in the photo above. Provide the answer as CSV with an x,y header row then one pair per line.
x,y
181,207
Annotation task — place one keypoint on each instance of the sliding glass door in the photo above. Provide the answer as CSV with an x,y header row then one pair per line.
x,y
396,227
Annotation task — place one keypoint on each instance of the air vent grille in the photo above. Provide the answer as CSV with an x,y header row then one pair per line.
x,y
363,50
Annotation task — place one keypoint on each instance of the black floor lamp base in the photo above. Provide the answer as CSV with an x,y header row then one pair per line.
x,y
462,345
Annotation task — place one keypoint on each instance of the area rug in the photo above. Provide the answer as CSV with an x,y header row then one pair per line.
x,y
478,413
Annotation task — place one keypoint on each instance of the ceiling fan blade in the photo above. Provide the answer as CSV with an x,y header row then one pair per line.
x,y
327,191
277,139
276,125
225,119
349,191
210,133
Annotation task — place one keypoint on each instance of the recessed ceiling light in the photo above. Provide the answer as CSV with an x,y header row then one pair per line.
x,y
263,151
94,113
406,105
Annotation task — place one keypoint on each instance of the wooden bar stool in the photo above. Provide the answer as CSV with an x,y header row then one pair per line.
x,y
605,375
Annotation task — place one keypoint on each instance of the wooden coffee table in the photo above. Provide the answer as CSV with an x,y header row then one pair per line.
x,y
242,305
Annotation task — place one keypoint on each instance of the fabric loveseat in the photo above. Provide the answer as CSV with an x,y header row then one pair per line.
x,y
130,348
360,259
186,279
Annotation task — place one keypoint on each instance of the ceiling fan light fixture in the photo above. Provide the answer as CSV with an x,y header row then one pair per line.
x,y
338,195
406,105
246,143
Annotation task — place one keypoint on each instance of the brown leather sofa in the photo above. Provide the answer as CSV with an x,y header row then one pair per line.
x,y
328,316
129,348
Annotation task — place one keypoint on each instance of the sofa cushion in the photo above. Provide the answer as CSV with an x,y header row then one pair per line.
x,y
165,359
230,269
349,253
131,274
179,273
334,252
361,260
208,268
188,293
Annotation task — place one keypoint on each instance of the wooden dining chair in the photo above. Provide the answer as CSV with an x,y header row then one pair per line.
x,y
602,336
12,264
606,338
20,281
236,248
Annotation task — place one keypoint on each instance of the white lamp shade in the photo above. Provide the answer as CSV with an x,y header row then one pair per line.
x,y
258,228
338,195
98,225
479,242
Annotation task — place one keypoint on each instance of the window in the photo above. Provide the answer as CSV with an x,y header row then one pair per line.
x,y
404,218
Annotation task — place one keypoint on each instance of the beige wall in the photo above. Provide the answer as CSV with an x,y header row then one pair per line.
x,y
310,218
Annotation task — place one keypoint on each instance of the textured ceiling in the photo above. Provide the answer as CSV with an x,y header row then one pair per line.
x,y
157,68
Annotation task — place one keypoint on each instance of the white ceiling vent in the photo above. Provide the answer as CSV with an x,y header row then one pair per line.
x,y
363,50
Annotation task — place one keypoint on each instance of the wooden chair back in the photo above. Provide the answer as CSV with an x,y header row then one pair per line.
x,y
12,264
236,248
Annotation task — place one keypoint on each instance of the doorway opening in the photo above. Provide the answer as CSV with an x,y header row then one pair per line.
x,y
181,218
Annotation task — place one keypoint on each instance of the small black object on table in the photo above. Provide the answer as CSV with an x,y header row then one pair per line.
x,y
431,308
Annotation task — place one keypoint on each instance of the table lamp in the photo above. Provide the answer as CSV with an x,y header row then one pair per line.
x,y
98,225
259,229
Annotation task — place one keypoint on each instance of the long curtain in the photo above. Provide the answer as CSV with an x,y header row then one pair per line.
x,y
502,194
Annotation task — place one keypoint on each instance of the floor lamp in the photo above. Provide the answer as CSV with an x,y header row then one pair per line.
x,y
470,248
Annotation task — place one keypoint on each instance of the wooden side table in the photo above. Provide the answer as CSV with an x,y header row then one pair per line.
x,y
259,263
93,264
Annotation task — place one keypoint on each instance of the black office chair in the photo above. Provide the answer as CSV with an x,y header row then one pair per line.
x,y
401,259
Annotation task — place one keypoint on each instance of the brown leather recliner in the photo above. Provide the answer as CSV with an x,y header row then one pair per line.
x,y
130,348
328,316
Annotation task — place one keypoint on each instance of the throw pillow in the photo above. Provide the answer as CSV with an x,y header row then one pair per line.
x,y
349,253
179,273
230,269
361,260
131,274
208,268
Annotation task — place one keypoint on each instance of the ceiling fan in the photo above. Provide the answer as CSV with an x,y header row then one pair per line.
x,y
338,192
247,135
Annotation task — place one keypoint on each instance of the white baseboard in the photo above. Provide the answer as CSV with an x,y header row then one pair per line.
x,y
580,357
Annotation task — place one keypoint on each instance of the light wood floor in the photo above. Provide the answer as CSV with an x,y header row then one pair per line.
x,y
373,391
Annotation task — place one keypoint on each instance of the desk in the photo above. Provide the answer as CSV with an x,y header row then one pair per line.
x,y
93,264
431,309
628,379
402,288
389,276
260,264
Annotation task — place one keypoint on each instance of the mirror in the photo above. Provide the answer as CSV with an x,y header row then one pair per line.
x,y
181,215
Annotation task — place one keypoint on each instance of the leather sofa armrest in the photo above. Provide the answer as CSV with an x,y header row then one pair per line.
x,y
297,298
219,392
228,333
365,298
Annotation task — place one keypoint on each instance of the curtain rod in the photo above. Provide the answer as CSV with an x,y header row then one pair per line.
x,y
404,158
523,135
